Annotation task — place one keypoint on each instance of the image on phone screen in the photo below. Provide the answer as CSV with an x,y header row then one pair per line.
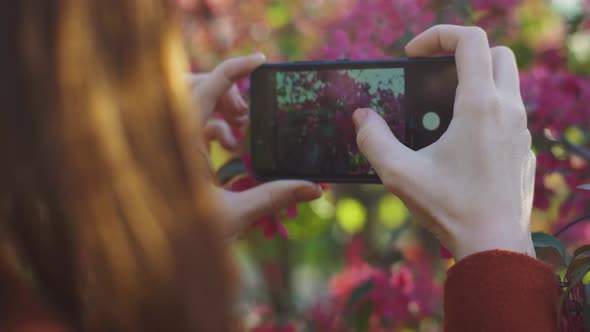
x,y
315,134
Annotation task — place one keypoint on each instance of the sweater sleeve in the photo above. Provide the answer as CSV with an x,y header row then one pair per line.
x,y
500,291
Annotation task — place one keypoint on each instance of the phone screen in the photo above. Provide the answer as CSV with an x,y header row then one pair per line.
x,y
302,114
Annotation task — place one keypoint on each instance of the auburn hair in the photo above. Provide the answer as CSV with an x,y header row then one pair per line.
x,y
106,193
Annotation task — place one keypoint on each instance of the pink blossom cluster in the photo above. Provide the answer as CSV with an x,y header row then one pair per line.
x,y
558,102
372,27
400,295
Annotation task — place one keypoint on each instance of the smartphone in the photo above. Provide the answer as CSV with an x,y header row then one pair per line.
x,y
301,113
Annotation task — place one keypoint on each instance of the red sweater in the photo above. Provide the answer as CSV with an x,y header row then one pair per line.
x,y
489,291
501,291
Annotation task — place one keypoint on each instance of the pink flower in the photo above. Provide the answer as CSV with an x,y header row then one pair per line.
x,y
373,26
557,101
400,294
341,285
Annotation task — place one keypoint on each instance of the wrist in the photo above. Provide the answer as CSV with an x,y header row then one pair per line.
x,y
475,243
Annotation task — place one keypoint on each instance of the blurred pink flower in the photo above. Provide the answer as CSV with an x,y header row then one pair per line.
x,y
557,101
405,292
372,27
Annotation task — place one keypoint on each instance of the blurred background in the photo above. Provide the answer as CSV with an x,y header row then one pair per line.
x,y
354,260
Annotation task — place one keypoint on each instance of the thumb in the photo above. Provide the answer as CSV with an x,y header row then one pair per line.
x,y
272,197
378,144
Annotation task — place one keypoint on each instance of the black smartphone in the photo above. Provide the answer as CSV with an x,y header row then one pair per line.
x,y
301,113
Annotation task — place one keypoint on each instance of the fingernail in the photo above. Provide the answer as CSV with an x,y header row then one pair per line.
x,y
261,55
360,116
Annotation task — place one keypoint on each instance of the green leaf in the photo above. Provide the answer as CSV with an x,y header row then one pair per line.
x,y
584,186
577,264
230,170
579,271
581,250
549,248
359,292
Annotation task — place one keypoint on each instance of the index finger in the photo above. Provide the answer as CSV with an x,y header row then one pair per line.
x,y
472,54
223,77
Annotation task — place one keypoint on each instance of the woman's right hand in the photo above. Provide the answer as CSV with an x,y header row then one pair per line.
x,y
473,188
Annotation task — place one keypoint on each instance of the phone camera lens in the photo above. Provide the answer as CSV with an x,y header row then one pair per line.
x,y
431,121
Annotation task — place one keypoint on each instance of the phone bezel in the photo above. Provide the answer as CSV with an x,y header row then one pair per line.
x,y
257,93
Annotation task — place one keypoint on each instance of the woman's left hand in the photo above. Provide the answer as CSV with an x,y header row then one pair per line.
x,y
216,92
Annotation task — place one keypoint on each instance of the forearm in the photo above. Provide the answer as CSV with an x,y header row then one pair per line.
x,y
500,291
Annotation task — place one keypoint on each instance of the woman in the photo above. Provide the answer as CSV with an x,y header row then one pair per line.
x,y
110,219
